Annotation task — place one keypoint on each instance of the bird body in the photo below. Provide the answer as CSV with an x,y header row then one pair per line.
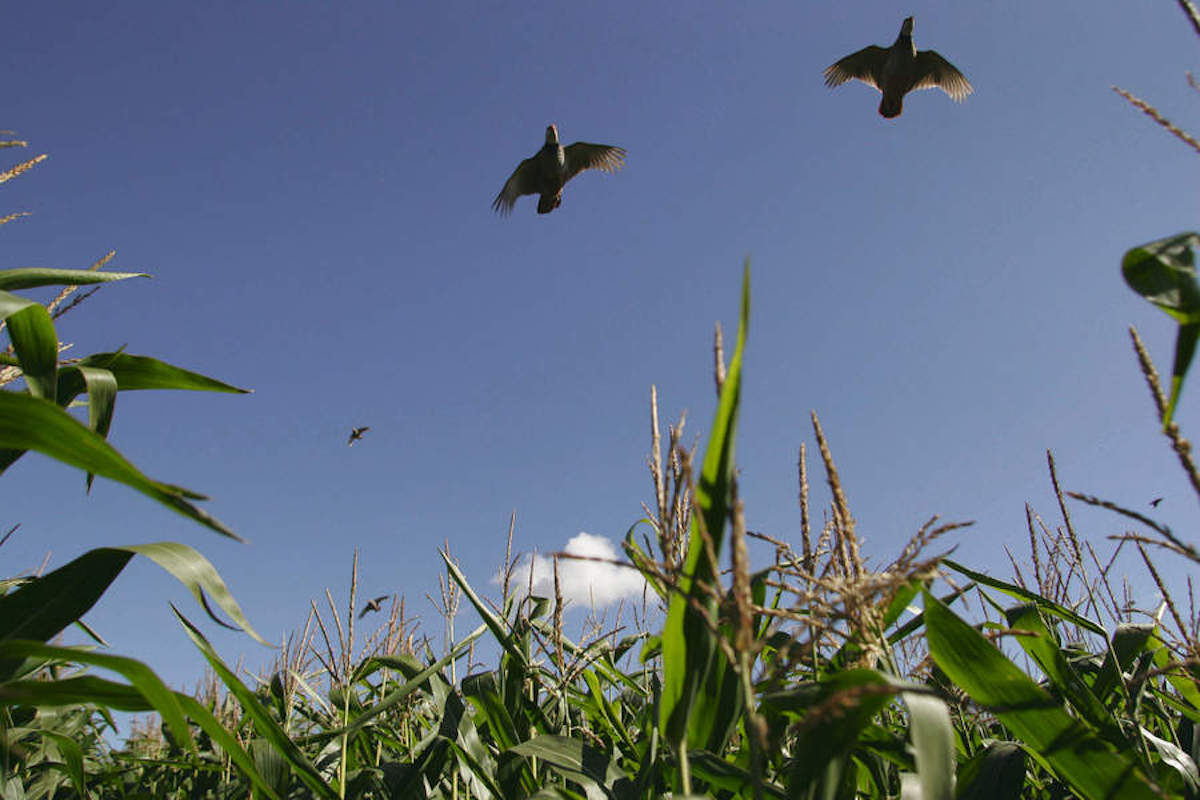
x,y
897,70
548,170
356,434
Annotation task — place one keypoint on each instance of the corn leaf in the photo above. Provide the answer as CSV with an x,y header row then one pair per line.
x,y
1065,745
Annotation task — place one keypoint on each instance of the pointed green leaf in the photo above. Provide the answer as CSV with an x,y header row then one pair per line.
x,y
692,705
1041,645
143,372
1062,743
33,277
42,607
1012,590
497,626
263,723
200,577
102,399
36,344
30,423
1185,349
933,743
142,678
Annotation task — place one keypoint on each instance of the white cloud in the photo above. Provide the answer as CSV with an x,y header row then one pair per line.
x,y
588,583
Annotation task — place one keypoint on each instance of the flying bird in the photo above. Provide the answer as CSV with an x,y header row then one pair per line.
x,y
357,434
548,170
1156,501
897,70
372,605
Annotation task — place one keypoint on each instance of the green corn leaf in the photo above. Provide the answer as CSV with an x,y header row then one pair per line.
x,y
200,577
1063,744
497,626
995,773
1041,645
72,755
1164,272
33,277
102,399
140,676
721,774
273,767
42,607
933,743
80,690
579,763
216,731
691,707
36,344
1012,590
483,691
11,304
143,372
30,423
829,718
263,723
1128,642
417,678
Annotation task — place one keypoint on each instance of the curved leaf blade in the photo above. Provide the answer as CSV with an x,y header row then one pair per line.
x,y
140,676
102,400
36,344
1164,273
29,423
143,372
41,608
933,741
263,723
1064,744
201,578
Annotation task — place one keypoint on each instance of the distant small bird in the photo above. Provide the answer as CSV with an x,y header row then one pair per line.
x,y
356,434
547,171
372,605
1156,501
897,70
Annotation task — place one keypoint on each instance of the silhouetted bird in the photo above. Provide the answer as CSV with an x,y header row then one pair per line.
x,y
356,434
547,171
897,70
1156,501
372,605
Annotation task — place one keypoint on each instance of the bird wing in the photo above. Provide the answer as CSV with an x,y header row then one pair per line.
x,y
583,155
865,66
933,70
522,181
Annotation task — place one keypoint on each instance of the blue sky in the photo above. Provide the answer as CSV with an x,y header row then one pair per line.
x,y
310,185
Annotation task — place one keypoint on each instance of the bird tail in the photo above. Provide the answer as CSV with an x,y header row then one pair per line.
x,y
547,202
891,106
